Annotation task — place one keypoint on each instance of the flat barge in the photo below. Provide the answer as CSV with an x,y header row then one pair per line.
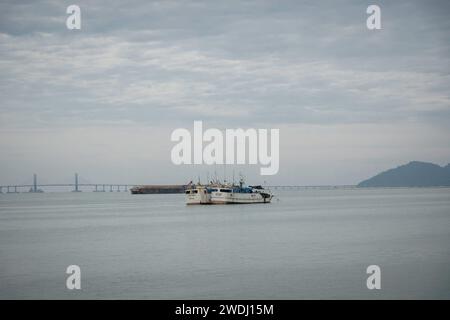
x,y
158,189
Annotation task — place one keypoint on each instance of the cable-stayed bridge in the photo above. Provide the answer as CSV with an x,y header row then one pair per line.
x,y
76,186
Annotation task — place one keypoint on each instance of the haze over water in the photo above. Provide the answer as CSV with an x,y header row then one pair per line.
x,y
309,243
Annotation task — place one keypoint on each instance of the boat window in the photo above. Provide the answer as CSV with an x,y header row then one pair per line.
x,y
188,191
214,190
195,191
225,190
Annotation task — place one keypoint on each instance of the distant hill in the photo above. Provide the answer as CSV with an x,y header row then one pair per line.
x,y
413,174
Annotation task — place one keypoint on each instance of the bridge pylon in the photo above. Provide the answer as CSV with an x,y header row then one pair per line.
x,y
76,184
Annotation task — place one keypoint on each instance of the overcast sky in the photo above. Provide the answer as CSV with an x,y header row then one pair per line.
x,y
103,100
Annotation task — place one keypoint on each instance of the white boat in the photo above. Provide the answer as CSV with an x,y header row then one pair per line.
x,y
222,193
198,194
240,194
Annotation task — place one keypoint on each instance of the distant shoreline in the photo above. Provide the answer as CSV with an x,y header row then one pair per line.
x,y
276,188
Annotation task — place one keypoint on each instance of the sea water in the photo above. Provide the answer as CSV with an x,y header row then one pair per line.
x,y
307,244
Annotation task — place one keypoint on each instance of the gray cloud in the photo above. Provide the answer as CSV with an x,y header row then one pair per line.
x,y
230,63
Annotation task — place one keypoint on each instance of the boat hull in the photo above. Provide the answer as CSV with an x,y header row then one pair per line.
x,y
239,198
197,195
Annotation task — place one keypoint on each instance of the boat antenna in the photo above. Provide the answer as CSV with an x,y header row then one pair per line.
x,y
224,173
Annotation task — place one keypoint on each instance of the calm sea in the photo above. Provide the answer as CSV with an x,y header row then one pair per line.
x,y
307,244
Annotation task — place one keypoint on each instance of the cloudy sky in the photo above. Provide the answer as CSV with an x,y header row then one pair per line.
x,y
103,100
